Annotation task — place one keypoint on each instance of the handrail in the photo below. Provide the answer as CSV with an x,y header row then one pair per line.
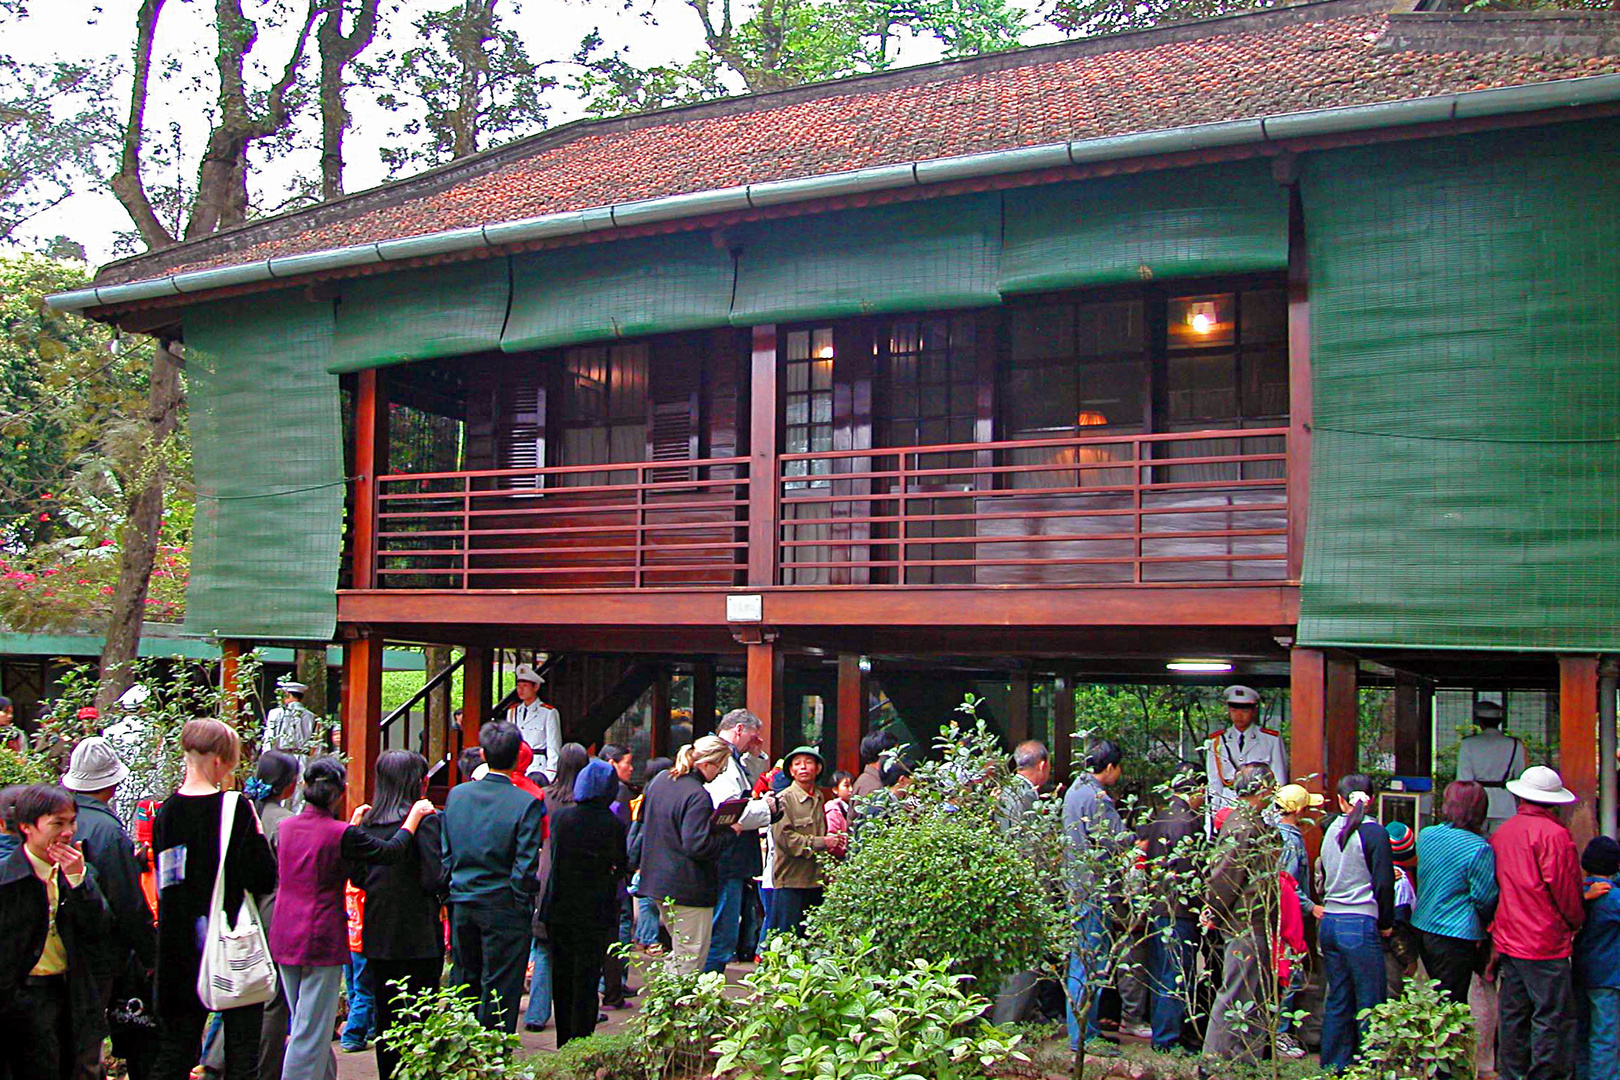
x,y
552,470
421,695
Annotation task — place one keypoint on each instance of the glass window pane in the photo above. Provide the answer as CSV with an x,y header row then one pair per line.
x,y
798,345
1265,381
821,408
934,369
1201,322
1203,387
821,374
1119,327
821,343
820,438
798,410
963,329
1040,333
936,334
964,399
1265,316
903,338
796,377
798,440
1111,392
1039,399
931,432
933,401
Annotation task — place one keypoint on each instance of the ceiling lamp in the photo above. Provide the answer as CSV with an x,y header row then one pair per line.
x,y
1201,317
1199,667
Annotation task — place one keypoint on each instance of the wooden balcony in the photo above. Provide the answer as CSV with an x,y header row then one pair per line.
x,y
1199,509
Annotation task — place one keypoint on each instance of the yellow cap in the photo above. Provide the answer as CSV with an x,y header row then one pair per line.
x,y
1292,798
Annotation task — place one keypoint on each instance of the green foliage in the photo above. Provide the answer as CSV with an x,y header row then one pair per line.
x,y
609,1055
839,1017
17,769
1421,1035
438,1037
1086,18
678,1017
944,875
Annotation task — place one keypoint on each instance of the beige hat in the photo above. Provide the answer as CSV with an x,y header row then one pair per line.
x,y
1241,695
526,673
1540,784
95,765
1293,799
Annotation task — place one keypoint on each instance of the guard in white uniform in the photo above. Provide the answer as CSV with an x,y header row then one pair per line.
x,y
1243,742
538,723
1492,758
290,726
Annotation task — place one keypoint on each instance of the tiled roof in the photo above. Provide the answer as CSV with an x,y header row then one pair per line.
x,y
1287,60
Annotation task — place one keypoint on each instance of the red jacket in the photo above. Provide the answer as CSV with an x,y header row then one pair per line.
x,y
1540,878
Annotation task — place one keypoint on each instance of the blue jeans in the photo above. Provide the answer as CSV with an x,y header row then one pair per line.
x,y
539,1010
1353,959
358,1029
727,925
1091,942
646,920
1170,973
1597,1043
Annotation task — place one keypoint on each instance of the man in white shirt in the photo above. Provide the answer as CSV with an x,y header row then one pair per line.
x,y
1492,758
290,726
740,860
538,723
1242,743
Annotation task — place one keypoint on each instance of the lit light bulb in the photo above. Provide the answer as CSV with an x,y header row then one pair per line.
x,y
825,352
1201,322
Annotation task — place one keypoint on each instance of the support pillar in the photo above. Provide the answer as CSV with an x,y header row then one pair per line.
x,y
230,665
1062,727
851,712
370,461
1414,726
362,713
703,699
763,488
1578,740
764,693
658,730
477,696
1608,797
1018,704
1322,700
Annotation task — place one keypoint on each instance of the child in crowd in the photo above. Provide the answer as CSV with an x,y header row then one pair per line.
x,y
1400,948
1596,964
838,807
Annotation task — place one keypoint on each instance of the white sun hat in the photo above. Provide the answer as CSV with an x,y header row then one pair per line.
x,y
1241,695
1540,784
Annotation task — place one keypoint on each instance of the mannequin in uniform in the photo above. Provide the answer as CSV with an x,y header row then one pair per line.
x,y
1492,758
1241,743
538,723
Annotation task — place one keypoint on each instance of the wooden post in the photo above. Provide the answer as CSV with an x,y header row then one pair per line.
x,y
1414,726
1298,460
1322,690
477,680
1578,740
1018,709
764,693
851,712
1062,747
763,488
659,732
703,699
230,662
370,461
362,713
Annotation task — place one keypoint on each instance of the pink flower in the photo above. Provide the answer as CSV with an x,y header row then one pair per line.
x,y
106,543
106,590
44,517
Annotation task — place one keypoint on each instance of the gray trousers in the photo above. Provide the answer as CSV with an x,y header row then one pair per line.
x,y
1014,998
1245,968
312,1003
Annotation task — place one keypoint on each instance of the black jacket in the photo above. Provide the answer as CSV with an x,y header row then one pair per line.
x,y
402,901
679,851
81,919
108,848
492,843
587,863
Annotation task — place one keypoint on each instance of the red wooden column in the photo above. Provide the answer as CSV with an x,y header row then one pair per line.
x,y
764,692
1299,387
1322,704
230,665
1578,740
362,713
370,461
703,699
477,682
851,712
1062,747
763,488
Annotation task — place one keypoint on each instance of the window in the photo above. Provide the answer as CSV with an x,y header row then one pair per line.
x,y
930,385
604,410
1227,358
807,379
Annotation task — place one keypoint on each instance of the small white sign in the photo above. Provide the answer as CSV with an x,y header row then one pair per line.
x,y
746,608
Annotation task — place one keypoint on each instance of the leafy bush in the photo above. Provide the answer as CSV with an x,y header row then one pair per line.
x,y
16,769
1420,1035
438,1037
616,1055
822,1016
679,1016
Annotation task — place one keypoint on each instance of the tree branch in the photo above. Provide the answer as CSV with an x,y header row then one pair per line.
x,y
126,183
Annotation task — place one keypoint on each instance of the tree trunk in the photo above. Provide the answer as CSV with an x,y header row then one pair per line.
x,y
140,533
337,51
311,671
435,659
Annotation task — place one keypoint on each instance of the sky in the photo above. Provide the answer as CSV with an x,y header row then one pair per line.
x,y
87,30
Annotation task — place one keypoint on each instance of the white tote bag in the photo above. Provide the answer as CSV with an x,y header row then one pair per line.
x,y
236,969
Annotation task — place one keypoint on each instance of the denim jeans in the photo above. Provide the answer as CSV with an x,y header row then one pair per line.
x,y
1091,935
1353,959
727,924
1171,963
646,920
1597,1043
539,1010
358,1028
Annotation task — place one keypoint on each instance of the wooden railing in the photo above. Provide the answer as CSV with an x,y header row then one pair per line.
x,y
1190,508
635,526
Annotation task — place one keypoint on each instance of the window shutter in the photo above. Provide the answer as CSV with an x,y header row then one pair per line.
x,y
520,429
673,410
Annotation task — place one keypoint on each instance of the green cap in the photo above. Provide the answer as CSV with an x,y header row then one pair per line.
x,y
810,750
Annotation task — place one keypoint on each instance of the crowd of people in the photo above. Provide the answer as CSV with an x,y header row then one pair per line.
x,y
541,862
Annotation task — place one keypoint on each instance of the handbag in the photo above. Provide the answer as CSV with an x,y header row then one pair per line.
x,y
236,969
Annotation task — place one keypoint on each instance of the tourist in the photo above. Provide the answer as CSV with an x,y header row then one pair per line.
x,y
275,780
1168,841
838,807
1090,823
1456,895
1539,877
185,847
1400,944
874,748
468,762
1239,900
740,859
800,836
647,921
1356,912
53,914
402,937
615,980
309,941
680,850
580,908
1292,801
492,838
12,736
1596,966
571,758
127,956
10,840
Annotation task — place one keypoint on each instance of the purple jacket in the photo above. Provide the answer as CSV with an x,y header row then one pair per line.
x,y
315,854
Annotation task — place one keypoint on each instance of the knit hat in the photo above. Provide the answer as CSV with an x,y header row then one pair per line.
x,y
1402,844
94,766
1601,857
